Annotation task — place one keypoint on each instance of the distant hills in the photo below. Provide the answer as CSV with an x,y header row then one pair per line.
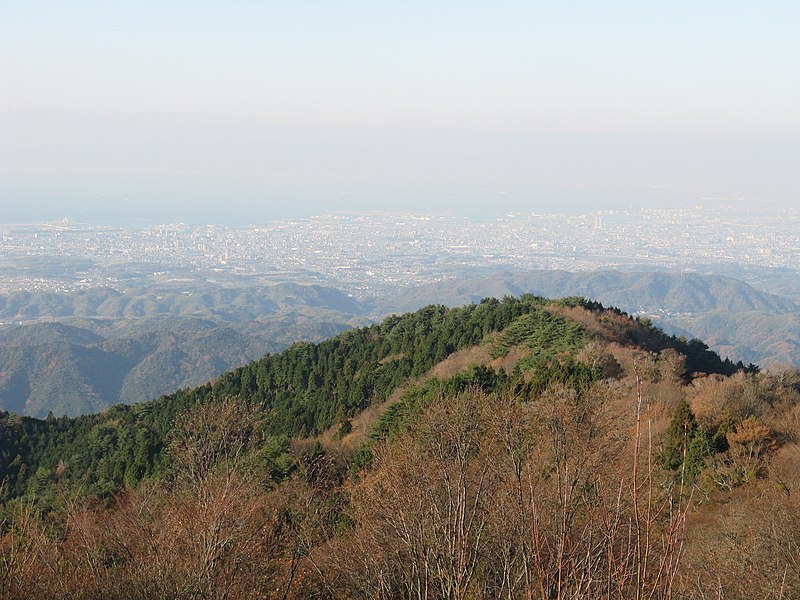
x,y
83,352
67,375
750,336
736,319
217,302
659,293
78,354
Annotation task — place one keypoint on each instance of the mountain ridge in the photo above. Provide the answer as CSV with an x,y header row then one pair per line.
x,y
308,388
329,469
239,325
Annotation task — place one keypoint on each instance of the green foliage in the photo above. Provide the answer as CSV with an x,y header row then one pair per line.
x,y
719,441
345,427
567,371
303,391
397,415
361,459
305,388
687,444
275,457
700,448
542,331
681,430
553,341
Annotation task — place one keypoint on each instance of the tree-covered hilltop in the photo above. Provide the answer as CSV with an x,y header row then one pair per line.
x,y
517,448
85,351
309,388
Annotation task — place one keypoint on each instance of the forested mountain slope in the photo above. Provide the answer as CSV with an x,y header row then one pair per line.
x,y
308,388
516,448
84,352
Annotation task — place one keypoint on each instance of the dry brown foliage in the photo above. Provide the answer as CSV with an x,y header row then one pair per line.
x,y
485,496
212,531
490,497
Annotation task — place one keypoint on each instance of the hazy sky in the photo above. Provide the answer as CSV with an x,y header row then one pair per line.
x,y
243,110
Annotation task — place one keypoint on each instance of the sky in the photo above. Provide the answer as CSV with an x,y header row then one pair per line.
x,y
243,111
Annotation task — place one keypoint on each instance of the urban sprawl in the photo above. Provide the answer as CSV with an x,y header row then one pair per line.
x,y
373,253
